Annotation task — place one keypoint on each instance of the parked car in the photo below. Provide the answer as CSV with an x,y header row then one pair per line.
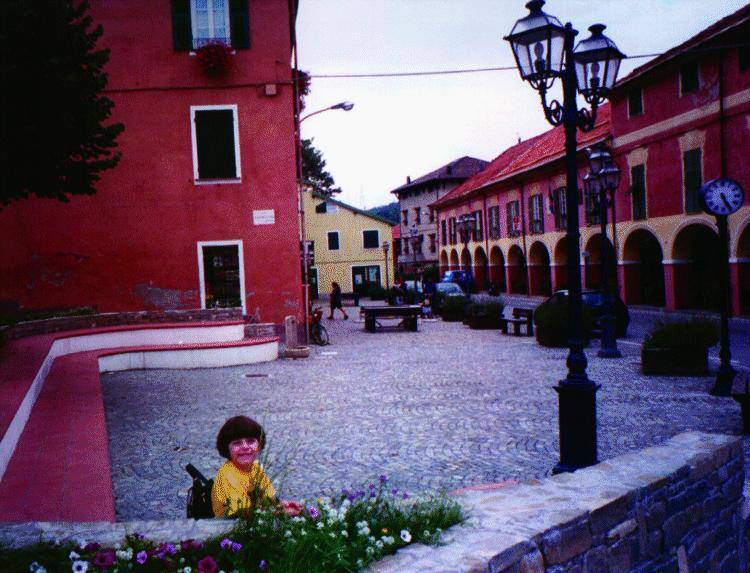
x,y
594,299
445,290
464,279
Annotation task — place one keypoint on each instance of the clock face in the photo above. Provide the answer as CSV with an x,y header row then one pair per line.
x,y
722,196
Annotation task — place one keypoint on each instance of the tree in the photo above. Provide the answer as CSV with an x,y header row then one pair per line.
x,y
314,172
52,113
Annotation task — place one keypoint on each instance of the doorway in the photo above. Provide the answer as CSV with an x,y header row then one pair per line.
x,y
365,277
221,275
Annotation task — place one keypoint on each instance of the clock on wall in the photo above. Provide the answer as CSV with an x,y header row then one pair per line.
x,y
721,196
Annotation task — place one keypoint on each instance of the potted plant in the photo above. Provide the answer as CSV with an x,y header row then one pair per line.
x,y
485,315
551,322
452,309
679,347
214,57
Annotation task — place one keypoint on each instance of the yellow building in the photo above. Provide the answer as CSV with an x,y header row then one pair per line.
x,y
346,246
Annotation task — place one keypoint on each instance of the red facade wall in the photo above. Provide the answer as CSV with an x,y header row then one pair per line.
x,y
133,245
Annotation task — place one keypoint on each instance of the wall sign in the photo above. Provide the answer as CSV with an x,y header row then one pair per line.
x,y
264,217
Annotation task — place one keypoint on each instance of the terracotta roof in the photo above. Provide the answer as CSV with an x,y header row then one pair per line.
x,y
526,155
734,19
458,169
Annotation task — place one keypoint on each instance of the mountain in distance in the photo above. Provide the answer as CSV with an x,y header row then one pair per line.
x,y
390,212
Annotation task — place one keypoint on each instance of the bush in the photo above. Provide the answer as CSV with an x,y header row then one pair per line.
x,y
376,292
698,332
484,314
551,321
453,308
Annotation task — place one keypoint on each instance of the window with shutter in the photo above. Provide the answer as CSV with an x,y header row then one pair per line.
x,y
209,22
689,79
443,233
478,228
333,241
691,165
514,219
561,209
370,239
638,191
536,217
635,102
216,150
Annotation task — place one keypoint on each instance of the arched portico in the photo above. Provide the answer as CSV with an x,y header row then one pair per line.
x,y
540,275
465,260
643,270
480,269
560,264
692,274
596,248
444,262
517,277
497,268
454,260
740,273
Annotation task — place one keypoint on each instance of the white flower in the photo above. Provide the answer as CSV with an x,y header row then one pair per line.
x,y
345,533
319,525
73,556
379,544
426,533
287,533
80,566
371,539
370,550
360,563
332,534
124,554
388,540
405,536
34,567
187,570
82,543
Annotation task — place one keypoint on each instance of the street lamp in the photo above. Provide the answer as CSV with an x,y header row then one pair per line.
x,y
386,246
602,182
416,241
345,105
543,49
465,224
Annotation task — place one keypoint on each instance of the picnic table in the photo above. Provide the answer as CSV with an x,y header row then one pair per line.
x,y
521,317
407,312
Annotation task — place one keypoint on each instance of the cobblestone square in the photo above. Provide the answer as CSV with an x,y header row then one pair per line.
x,y
440,409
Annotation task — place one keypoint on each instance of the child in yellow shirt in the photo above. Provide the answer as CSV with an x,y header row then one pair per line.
x,y
241,482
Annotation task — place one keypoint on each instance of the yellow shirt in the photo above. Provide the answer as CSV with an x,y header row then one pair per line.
x,y
231,487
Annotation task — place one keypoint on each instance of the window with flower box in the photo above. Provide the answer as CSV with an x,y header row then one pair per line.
x,y
536,214
196,23
514,218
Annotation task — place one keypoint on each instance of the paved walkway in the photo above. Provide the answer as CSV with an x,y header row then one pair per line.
x,y
443,408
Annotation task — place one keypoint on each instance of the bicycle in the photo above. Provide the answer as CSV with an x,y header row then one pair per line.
x,y
318,332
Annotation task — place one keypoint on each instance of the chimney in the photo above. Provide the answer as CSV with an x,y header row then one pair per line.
x,y
408,179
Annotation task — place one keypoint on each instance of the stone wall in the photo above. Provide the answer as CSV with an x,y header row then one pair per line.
x,y
675,507
50,325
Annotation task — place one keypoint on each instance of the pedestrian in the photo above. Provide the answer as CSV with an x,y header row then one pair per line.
x,y
336,300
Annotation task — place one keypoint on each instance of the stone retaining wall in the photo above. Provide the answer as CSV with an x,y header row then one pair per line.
x,y
50,325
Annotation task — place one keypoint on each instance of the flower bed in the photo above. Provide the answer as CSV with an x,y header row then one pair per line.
x,y
341,534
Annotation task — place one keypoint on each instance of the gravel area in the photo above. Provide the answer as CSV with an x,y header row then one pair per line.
x,y
439,409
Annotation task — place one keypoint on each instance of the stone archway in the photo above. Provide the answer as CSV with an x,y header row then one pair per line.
x,y
740,273
443,262
695,268
480,269
517,276
454,260
560,264
540,274
643,269
596,247
497,268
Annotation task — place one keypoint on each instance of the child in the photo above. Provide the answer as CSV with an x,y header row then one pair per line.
x,y
426,308
241,482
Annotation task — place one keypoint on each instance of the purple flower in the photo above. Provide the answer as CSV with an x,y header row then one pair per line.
x,y
345,492
373,494
394,491
372,485
236,547
141,557
262,565
383,478
207,565
226,543
170,549
314,513
190,544
405,496
104,559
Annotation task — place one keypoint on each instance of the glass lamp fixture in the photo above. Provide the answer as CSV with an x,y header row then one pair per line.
x,y
597,61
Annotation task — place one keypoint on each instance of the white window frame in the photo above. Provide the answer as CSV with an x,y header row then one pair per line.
x,y
201,270
363,239
328,242
211,27
194,138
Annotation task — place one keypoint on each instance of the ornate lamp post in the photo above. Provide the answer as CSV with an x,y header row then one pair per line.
x,y
602,182
386,246
465,224
543,49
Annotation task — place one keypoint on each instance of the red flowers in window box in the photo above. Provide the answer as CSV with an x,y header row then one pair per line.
x,y
215,57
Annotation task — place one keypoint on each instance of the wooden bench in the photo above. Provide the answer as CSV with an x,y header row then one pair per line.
x,y
521,317
408,313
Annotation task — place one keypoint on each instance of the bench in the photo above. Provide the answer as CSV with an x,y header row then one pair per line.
x,y
408,313
521,317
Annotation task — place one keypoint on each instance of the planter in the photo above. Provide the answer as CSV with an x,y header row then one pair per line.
x,y
675,361
484,322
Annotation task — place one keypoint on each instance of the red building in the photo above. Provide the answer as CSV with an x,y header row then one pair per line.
x,y
202,210
676,122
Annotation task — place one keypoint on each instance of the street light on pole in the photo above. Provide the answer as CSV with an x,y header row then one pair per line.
x,y
386,246
345,105
465,224
544,51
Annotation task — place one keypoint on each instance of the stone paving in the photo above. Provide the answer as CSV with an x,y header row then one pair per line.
x,y
440,409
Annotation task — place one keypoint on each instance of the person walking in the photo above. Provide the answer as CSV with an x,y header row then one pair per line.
x,y
336,300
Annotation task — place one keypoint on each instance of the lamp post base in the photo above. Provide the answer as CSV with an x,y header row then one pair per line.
x,y
577,407
724,380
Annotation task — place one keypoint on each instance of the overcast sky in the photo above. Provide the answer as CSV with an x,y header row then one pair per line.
x,y
411,125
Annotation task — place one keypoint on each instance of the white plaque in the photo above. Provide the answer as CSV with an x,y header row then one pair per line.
x,y
264,217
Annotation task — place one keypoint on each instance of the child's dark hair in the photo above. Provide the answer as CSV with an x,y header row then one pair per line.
x,y
236,428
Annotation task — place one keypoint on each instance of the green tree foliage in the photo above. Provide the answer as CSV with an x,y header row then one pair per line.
x,y
391,212
52,113
314,170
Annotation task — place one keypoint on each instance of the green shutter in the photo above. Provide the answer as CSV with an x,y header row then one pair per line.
x,y
693,179
239,23
214,130
182,32
638,191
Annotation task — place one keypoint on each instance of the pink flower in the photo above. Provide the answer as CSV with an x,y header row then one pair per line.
x,y
104,559
207,565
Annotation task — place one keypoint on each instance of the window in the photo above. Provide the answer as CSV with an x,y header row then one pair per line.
x,y
689,77
443,233
333,241
638,191
416,246
452,230
371,239
514,219
691,165
320,207
405,216
478,228
744,57
432,215
196,23
493,214
592,208
559,196
536,214
396,247
433,243
417,216
216,143
635,102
